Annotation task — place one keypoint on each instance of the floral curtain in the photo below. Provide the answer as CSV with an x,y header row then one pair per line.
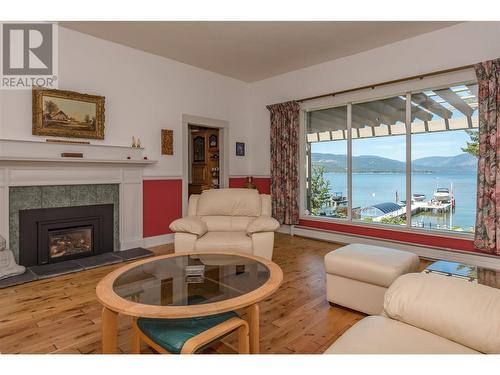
x,y
285,161
487,235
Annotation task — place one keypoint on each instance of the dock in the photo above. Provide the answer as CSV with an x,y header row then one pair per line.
x,y
417,207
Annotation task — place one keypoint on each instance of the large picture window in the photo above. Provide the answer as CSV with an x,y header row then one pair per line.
x,y
408,161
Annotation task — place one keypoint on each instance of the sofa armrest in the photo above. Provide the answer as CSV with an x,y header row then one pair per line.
x,y
460,311
189,224
263,243
263,224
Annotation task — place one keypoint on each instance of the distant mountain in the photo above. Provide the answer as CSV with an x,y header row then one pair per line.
x,y
331,162
462,163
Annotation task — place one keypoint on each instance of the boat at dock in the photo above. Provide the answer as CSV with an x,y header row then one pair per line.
x,y
417,197
337,196
442,195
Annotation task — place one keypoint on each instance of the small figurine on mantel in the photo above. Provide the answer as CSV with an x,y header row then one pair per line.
x,y
8,265
136,142
249,184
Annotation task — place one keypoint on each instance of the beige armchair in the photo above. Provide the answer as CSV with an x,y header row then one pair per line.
x,y
227,220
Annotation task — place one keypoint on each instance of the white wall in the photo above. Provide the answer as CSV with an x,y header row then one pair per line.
x,y
462,44
144,93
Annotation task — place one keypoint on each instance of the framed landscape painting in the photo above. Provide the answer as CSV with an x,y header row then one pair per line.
x,y
69,114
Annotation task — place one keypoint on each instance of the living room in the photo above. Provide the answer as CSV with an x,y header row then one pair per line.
x,y
246,186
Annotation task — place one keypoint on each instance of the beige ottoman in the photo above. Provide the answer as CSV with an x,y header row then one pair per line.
x,y
358,275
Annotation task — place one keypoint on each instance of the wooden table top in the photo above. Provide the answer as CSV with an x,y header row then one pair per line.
x,y
107,295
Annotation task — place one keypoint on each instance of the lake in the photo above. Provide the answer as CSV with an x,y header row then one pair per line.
x,y
373,188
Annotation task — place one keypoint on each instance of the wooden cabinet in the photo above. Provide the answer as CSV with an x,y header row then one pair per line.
x,y
205,169
197,188
199,148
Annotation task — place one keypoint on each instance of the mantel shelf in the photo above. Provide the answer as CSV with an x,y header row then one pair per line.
x,y
97,145
75,160
37,152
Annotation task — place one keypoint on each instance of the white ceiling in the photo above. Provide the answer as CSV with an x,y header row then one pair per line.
x,y
251,51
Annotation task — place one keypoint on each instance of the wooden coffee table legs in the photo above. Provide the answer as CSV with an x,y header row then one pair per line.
x,y
253,325
109,331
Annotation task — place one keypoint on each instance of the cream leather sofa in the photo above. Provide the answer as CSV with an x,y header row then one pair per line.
x,y
428,314
227,220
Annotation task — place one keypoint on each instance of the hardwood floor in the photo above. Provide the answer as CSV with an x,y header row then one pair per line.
x,y
62,315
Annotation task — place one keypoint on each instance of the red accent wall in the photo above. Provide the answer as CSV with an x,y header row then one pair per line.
x,y
263,183
387,234
162,204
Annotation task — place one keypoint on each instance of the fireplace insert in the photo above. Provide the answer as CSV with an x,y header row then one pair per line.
x,y
50,235
70,241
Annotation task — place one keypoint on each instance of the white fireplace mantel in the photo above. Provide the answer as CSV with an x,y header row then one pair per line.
x,y
74,160
35,163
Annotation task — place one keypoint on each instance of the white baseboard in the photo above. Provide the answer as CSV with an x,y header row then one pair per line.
x,y
159,240
285,229
424,252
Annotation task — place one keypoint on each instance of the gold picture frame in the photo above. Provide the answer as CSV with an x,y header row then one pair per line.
x,y
67,114
167,142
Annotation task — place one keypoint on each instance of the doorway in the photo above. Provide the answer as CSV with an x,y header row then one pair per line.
x,y
204,158
209,124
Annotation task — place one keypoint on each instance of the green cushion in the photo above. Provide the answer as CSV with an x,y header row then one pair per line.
x,y
171,334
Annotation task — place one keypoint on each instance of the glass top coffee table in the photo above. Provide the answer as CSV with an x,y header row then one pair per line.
x,y
185,286
471,273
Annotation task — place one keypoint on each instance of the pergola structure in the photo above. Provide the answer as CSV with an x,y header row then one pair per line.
x,y
451,108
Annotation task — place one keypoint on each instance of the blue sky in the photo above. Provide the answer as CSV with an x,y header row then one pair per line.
x,y
423,145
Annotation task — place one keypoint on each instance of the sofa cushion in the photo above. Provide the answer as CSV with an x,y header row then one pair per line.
x,y
227,223
229,202
381,335
370,264
465,312
224,241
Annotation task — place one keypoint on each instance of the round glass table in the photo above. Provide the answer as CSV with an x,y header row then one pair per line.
x,y
185,286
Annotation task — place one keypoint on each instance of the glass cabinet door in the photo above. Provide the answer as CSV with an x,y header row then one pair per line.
x,y
199,149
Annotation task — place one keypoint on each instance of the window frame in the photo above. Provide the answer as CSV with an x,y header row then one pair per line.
x,y
406,89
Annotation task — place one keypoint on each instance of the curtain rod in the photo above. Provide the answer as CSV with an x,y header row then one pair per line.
x,y
420,76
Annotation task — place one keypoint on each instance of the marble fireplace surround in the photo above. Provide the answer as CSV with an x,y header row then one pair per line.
x,y
32,173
